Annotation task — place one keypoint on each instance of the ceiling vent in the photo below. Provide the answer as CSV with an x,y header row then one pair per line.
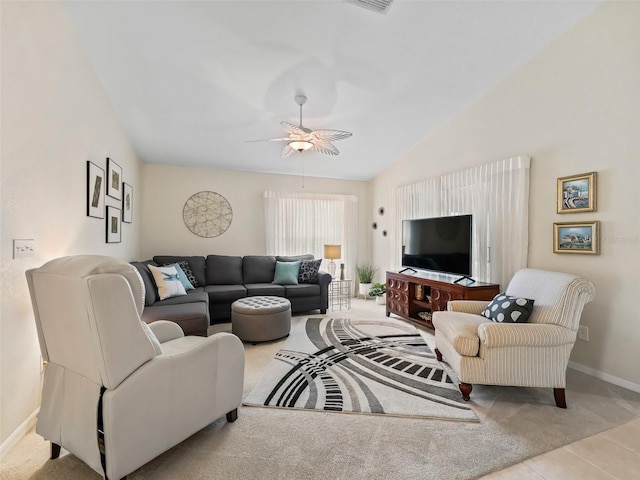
x,y
380,6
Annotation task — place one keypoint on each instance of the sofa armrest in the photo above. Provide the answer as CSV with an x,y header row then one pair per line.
x,y
324,279
524,335
166,330
467,306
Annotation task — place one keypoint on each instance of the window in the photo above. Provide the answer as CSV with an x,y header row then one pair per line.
x,y
299,223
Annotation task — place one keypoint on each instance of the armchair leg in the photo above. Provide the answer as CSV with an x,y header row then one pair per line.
x,y
232,416
558,394
438,355
465,389
55,451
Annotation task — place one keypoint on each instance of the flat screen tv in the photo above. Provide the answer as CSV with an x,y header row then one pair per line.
x,y
441,244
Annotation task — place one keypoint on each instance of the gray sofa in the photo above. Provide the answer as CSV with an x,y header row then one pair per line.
x,y
222,280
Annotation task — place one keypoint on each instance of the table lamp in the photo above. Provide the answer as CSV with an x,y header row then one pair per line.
x,y
332,252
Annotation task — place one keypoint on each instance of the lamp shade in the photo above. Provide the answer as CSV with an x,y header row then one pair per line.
x,y
332,252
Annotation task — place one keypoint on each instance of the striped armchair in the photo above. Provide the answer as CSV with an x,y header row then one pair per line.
x,y
533,354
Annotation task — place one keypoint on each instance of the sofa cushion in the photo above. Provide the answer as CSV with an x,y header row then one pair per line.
x,y
167,281
193,318
192,296
286,273
267,289
507,309
258,269
302,290
295,258
225,293
309,271
196,264
460,330
150,294
224,270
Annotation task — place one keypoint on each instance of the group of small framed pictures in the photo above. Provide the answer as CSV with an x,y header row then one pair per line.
x,y
577,193
112,184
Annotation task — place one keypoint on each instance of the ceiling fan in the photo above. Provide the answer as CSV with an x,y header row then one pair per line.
x,y
301,138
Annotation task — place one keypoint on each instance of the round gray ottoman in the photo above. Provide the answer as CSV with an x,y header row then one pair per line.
x,y
258,319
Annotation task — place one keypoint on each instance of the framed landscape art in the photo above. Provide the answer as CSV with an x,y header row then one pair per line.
x,y
95,190
576,237
114,235
114,179
577,193
127,203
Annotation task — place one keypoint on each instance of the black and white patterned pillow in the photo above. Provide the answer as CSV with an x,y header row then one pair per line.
x,y
308,272
187,271
506,309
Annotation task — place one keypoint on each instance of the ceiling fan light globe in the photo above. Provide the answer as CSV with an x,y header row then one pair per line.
x,y
300,145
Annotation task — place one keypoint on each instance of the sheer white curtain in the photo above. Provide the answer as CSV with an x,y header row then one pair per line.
x,y
496,194
417,200
299,223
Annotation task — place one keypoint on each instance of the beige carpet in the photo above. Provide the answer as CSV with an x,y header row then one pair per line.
x,y
515,423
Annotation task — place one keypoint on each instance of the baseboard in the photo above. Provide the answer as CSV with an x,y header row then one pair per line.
x,y
621,382
18,434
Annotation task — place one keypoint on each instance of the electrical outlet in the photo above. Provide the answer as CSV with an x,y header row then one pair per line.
x,y
24,248
583,333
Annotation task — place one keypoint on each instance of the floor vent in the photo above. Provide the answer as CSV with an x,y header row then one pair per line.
x,y
380,6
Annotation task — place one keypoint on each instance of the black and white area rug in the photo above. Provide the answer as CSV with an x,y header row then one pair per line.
x,y
371,367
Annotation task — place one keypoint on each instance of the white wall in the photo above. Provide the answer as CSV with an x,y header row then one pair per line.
x,y
55,117
167,188
574,108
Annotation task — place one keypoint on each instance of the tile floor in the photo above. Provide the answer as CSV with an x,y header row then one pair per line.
x,y
612,454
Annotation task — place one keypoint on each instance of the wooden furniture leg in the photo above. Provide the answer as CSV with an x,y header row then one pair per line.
x,y
558,394
438,355
232,416
465,389
55,451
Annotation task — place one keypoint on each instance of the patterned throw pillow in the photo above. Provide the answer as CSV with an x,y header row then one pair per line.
x,y
167,281
309,271
184,280
506,309
186,268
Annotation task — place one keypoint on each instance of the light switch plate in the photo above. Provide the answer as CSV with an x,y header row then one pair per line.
x,y
24,248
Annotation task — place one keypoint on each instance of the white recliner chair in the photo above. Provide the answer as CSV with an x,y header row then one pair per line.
x,y
118,392
532,354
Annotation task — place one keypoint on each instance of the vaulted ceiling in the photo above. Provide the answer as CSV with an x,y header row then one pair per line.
x,y
193,81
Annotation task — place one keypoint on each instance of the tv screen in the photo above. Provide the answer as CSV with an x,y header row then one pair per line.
x,y
441,244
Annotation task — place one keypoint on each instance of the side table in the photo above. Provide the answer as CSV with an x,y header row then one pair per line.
x,y
340,294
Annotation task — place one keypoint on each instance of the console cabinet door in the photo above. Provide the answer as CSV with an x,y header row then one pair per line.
x,y
398,297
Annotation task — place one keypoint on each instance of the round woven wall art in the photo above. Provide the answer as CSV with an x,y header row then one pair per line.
x,y
207,214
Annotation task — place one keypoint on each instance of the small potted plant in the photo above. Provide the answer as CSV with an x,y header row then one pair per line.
x,y
365,273
379,290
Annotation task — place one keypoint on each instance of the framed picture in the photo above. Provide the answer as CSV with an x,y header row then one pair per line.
x,y
95,190
577,193
114,235
127,203
114,179
576,237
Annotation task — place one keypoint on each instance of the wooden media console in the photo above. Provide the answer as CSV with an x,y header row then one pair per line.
x,y
411,294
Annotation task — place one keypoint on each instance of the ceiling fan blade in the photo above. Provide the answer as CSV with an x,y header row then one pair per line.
x,y
285,139
331,135
325,147
286,151
291,128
